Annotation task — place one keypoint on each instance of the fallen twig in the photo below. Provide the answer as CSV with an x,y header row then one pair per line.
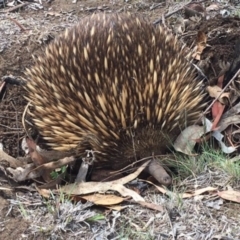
x,y
16,7
17,23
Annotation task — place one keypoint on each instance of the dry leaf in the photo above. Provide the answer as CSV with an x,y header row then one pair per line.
x,y
116,185
5,189
212,7
226,149
56,164
186,141
198,192
43,166
90,187
21,174
216,109
152,206
201,45
225,122
233,111
218,136
11,162
46,193
35,156
230,195
184,195
104,199
202,190
218,106
220,81
217,112
214,92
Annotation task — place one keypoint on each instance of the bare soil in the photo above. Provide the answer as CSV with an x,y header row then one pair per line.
x,y
25,33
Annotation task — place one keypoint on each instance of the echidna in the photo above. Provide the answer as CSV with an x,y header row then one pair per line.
x,y
114,84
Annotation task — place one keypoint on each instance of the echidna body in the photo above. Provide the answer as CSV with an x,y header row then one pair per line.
x,y
114,84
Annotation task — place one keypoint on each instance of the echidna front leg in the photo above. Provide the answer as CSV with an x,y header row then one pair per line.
x,y
158,172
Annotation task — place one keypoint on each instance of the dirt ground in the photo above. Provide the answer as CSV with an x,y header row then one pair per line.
x,y
25,33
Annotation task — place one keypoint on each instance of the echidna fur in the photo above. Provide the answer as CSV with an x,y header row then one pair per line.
x,y
114,84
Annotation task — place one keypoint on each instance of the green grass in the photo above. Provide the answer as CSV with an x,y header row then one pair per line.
x,y
128,232
96,218
220,161
23,211
55,174
208,159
